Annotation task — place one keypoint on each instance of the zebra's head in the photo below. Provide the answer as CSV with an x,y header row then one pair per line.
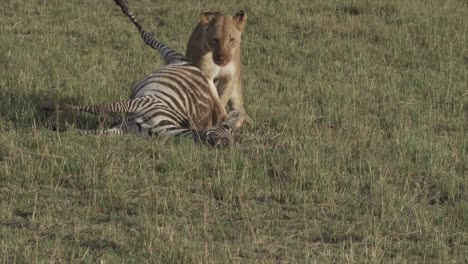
x,y
220,134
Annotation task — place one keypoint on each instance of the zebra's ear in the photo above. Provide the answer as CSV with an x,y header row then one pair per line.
x,y
207,16
240,18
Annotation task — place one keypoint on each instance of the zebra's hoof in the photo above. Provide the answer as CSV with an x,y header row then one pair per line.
x,y
48,106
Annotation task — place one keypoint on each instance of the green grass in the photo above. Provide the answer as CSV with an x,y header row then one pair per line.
x,y
358,153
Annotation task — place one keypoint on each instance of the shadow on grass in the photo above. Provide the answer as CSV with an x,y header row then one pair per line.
x,y
21,110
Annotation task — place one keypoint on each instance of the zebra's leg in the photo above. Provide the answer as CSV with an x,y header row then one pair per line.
x,y
114,120
169,55
127,106
124,127
115,131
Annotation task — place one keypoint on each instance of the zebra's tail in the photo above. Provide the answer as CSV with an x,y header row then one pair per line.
x,y
169,55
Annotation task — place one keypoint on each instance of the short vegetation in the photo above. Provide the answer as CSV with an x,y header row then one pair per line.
x,y
358,152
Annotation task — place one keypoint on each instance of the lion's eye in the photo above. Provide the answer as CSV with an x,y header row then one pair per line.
x,y
232,40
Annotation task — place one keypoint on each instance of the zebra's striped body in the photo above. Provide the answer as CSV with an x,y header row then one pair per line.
x,y
173,100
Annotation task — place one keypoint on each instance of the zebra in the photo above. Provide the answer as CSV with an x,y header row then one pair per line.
x,y
174,100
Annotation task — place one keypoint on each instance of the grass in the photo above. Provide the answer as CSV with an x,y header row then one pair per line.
x,y
358,153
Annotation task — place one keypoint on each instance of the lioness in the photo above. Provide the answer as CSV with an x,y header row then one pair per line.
x,y
214,47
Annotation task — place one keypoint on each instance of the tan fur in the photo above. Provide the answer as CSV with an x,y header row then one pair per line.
x,y
214,47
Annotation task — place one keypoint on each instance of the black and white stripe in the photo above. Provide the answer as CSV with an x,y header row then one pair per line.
x,y
168,54
174,100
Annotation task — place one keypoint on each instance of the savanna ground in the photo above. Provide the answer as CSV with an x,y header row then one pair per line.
x,y
358,153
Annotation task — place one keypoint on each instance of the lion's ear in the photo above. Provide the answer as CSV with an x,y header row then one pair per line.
x,y
207,16
240,18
